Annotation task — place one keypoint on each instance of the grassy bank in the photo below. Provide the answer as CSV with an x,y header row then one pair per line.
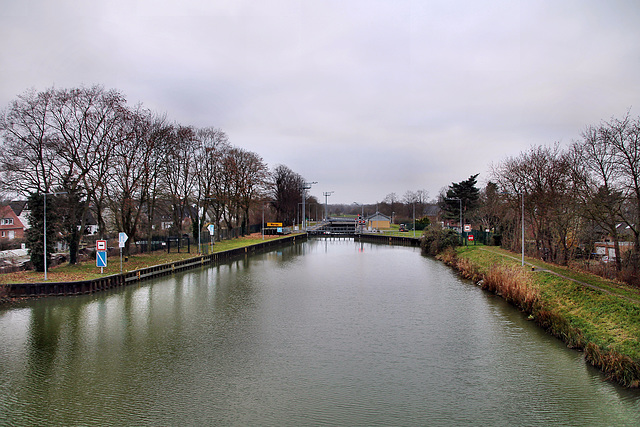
x,y
88,271
585,311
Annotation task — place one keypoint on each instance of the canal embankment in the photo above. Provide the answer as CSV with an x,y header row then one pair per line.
x,y
18,291
588,313
11,292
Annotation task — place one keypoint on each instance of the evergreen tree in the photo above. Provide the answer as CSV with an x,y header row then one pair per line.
x,y
70,208
465,192
35,233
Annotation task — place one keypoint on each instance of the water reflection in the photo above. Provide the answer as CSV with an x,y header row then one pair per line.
x,y
327,332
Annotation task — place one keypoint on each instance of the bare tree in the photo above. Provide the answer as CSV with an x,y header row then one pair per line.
x,y
624,136
598,179
160,140
60,139
132,173
180,174
544,175
252,181
212,145
88,123
286,193
491,208
28,162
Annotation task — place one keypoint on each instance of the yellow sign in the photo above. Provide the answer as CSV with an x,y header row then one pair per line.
x,y
274,224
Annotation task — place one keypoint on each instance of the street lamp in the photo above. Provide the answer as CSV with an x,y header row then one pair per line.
x,y
522,222
521,194
461,226
200,221
305,187
199,227
45,228
263,205
362,206
299,215
414,219
326,194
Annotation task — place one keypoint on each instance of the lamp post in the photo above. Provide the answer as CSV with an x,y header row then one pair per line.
x,y
305,187
265,203
362,206
199,227
521,194
414,219
326,194
461,226
45,228
298,215
522,222
200,221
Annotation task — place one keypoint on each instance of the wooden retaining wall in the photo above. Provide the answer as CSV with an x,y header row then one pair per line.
x,y
30,290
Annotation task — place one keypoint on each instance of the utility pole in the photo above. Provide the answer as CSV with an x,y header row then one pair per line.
x,y
326,194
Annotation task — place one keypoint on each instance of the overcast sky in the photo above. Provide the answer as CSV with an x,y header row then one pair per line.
x,y
365,97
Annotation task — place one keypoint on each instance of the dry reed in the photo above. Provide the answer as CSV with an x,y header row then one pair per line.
x,y
618,367
558,326
514,285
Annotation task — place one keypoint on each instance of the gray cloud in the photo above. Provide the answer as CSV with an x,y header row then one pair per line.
x,y
365,97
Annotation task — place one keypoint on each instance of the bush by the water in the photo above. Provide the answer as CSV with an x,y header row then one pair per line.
x,y
436,239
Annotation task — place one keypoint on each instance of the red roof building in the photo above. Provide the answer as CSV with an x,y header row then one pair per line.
x,y
10,225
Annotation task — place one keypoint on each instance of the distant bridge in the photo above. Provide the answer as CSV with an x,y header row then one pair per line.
x,y
335,226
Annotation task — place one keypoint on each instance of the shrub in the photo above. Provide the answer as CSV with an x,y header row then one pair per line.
x,y
436,239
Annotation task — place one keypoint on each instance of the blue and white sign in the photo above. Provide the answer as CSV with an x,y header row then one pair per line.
x,y
122,238
101,259
212,229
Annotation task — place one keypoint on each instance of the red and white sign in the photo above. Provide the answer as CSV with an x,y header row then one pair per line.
x,y
101,245
470,237
467,227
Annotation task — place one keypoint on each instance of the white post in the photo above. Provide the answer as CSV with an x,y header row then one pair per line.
x,y
464,243
199,228
45,236
45,228
522,228
414,219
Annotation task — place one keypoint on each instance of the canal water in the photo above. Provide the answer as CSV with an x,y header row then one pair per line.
x,y
328,332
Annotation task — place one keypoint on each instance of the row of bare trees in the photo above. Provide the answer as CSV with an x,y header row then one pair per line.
x,y
125,165
573,197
